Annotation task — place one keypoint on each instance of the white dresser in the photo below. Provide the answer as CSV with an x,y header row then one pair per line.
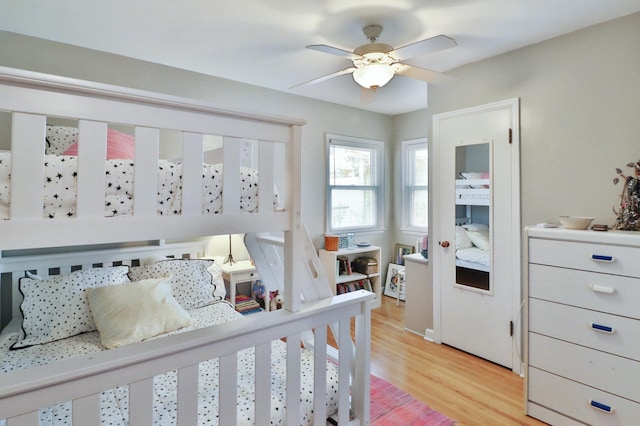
x,y
583,327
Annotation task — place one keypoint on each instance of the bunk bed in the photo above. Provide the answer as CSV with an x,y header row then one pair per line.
x,y
473,250
205,363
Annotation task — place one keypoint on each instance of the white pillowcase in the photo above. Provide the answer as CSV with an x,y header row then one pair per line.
x,y
60,138
136,311
462,240
56,307
192,284
480,239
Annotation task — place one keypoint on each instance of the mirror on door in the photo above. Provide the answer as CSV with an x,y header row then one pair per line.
x,y
473,213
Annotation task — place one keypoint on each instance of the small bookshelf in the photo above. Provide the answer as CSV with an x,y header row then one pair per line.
x,y
353,269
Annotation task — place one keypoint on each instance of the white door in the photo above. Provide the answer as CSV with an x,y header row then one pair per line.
x,y
477,302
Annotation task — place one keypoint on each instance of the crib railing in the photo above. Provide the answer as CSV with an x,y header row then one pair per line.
x,y
31,100
81,379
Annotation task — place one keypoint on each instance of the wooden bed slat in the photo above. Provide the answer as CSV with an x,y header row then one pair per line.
x,y
27,173
192,174
263,385
319,376
141,402
92,149
86,411
293,379
145,183
228,389
188,396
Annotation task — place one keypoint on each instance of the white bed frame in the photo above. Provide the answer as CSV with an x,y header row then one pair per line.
x,y
32,97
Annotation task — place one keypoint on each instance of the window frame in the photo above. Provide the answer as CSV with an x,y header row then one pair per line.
x,y
377,149
409,147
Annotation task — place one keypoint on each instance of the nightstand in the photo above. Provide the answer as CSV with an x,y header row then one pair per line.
x,y
241,271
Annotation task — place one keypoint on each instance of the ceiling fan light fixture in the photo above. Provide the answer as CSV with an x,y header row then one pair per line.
x,y
373,76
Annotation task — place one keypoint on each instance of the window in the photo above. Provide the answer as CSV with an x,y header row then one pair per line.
x,y
354,185
415,185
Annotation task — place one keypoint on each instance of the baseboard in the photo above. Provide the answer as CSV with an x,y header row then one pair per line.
x,y
428,335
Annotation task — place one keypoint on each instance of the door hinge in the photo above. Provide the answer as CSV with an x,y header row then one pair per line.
x,y
511,328
510,135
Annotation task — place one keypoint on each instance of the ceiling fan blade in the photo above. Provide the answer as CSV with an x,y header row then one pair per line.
x,y
418,73
325,77
429,45
333,51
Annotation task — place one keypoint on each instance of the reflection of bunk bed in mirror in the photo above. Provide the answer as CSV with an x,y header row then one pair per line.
x,y
473,250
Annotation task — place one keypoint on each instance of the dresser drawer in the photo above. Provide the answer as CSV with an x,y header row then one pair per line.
x,y
610,373
575,400
606,293
608,259
609,333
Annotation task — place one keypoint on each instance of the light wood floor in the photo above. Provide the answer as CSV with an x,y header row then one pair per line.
x,y
467,389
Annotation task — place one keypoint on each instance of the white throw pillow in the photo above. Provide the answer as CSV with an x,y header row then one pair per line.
x,y
480,239
136,311
462,240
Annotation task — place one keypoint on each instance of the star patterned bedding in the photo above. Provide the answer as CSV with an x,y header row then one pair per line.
x,y
61,178
114,402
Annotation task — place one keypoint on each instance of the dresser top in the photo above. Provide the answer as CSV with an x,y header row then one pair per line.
x,y
626,238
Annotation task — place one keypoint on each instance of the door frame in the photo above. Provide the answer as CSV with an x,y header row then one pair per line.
x,y
516,239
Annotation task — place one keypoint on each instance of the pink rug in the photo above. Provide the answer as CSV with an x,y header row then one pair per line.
x,y
391,406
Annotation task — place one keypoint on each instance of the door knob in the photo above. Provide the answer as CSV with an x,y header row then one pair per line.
x,y
444,244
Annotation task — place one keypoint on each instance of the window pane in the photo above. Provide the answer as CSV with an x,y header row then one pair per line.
x,y
350,166
419,214
353,208
420,168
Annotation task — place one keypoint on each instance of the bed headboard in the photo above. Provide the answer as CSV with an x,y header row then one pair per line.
x,y
33,98
14,267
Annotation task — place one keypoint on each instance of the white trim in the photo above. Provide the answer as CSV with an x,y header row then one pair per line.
x,y
407,147
368,144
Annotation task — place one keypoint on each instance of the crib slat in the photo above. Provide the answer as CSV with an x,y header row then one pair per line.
x,y
294,357
344,369
231,181
188,396
227,390
92,148
266,170
192,156
360,386
141,402
29,419
86,411
320,376
27,176
145,183
262,415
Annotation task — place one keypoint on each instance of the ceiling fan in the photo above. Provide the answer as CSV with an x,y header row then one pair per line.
x,y
375,64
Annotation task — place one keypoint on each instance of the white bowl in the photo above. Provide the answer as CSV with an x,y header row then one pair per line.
x,y
575,222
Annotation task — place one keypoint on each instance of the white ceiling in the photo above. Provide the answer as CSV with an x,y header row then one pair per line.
x,y
262,42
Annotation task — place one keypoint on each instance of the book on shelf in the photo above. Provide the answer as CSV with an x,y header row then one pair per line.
x,y
344,265
364,284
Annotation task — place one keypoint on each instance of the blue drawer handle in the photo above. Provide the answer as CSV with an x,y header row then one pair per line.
x,y
603,328
601,258
600,406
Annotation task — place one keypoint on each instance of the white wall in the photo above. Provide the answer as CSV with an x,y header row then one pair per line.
x,y
43,56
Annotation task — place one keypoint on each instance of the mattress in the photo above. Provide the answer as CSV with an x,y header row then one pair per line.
x,y
61,179
474,255
114,402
